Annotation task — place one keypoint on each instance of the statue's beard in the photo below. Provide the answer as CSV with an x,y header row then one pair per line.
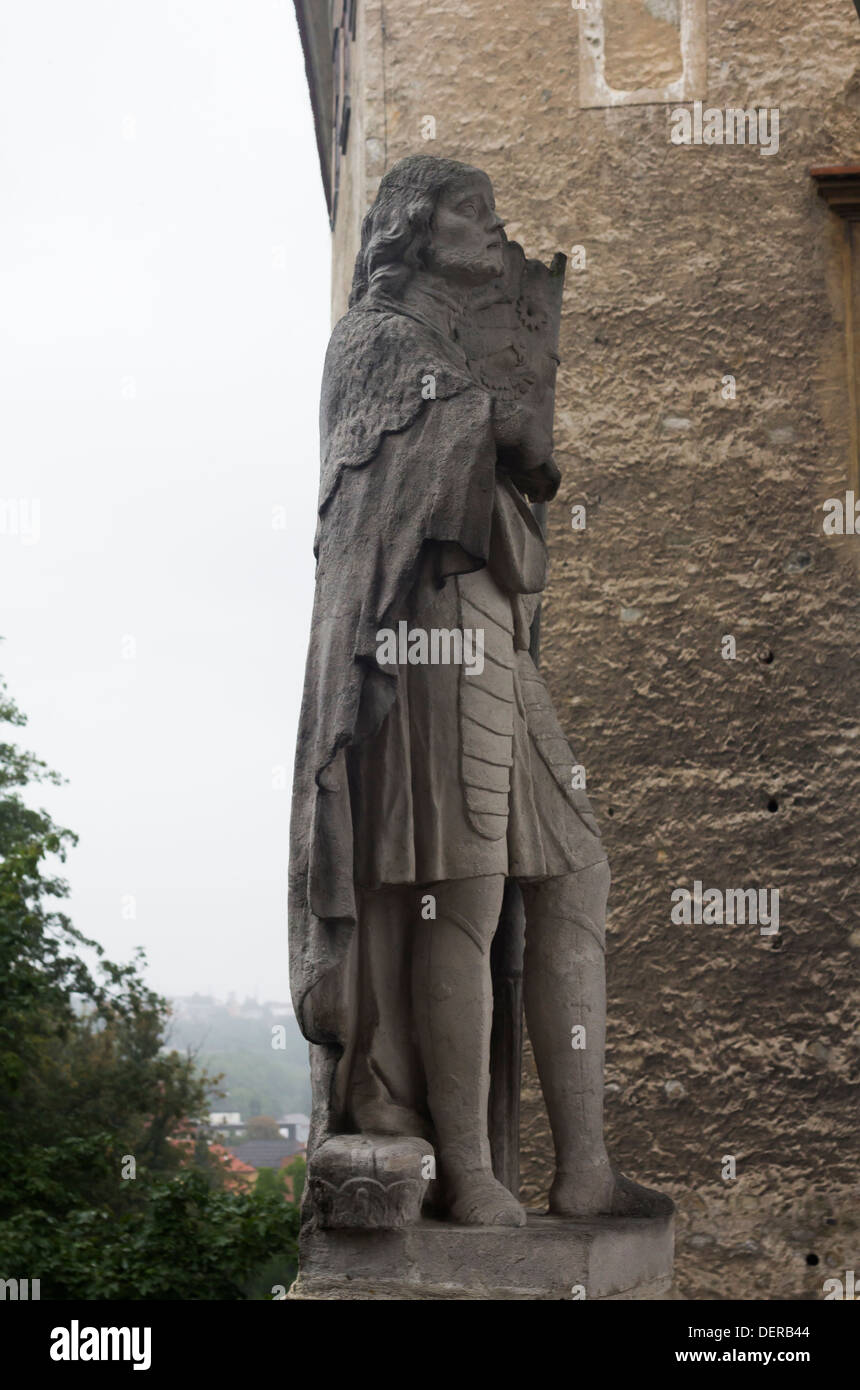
x,y
467,267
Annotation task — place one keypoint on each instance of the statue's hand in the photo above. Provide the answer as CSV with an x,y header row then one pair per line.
x,y
524,450
538,484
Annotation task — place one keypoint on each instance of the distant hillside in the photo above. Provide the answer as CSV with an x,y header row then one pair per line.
x,y
236,1039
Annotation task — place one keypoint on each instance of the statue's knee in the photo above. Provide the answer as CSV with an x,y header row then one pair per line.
x,y
571,906
584,892
472,905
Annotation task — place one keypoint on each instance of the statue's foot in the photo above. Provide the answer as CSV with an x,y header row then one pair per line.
x,y
582,1191
477,1199
597,1190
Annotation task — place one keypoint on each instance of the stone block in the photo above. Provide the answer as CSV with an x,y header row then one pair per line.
x,y
548,1259
368,1181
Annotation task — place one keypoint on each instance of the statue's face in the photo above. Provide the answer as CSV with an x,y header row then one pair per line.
x,y
466,235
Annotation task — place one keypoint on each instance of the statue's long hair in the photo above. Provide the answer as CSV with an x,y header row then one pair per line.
x,y
395,234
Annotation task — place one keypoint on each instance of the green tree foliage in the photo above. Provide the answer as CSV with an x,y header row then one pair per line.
x,y
85,1087
187,1240
292,1175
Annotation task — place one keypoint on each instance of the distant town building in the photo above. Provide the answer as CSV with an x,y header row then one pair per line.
x,y
295,1127
268,1153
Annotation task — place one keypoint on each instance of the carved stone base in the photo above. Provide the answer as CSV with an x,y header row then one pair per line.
x,y
369,1180
549,1258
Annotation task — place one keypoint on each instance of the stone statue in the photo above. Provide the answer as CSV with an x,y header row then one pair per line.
x,y
431,768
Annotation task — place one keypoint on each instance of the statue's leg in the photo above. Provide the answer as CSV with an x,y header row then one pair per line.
x,y
564,988
453,1006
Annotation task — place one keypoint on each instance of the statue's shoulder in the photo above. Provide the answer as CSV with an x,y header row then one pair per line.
x,y
369,338
380,370
369,318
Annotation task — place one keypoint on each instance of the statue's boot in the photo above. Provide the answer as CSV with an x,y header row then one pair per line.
x,y
453,1003
604,1193
564,988
472,1195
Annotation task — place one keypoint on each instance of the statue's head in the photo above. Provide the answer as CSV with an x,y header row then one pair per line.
x,y
432,215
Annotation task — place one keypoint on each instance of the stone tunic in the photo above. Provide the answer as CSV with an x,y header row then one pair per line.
x,y
470,773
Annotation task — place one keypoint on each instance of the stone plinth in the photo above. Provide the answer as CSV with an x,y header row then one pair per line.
x,y
550,1258
369,1180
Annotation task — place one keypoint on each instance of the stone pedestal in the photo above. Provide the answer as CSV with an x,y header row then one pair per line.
x,y
550,1258
364,1181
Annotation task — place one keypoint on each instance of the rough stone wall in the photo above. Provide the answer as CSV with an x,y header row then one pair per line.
x,y
703,520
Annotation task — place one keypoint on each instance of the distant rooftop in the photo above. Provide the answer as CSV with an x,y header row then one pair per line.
x,y
267,1153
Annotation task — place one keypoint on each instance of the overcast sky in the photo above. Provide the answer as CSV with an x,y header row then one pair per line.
x,y
164,273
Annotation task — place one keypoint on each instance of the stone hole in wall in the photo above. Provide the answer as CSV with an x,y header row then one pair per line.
x,y
642,51
642,43
812,1259
773,804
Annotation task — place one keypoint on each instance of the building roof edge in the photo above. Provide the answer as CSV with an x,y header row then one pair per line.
x,y
315,34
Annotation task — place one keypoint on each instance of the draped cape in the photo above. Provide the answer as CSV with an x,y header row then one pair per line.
x,y
407,460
